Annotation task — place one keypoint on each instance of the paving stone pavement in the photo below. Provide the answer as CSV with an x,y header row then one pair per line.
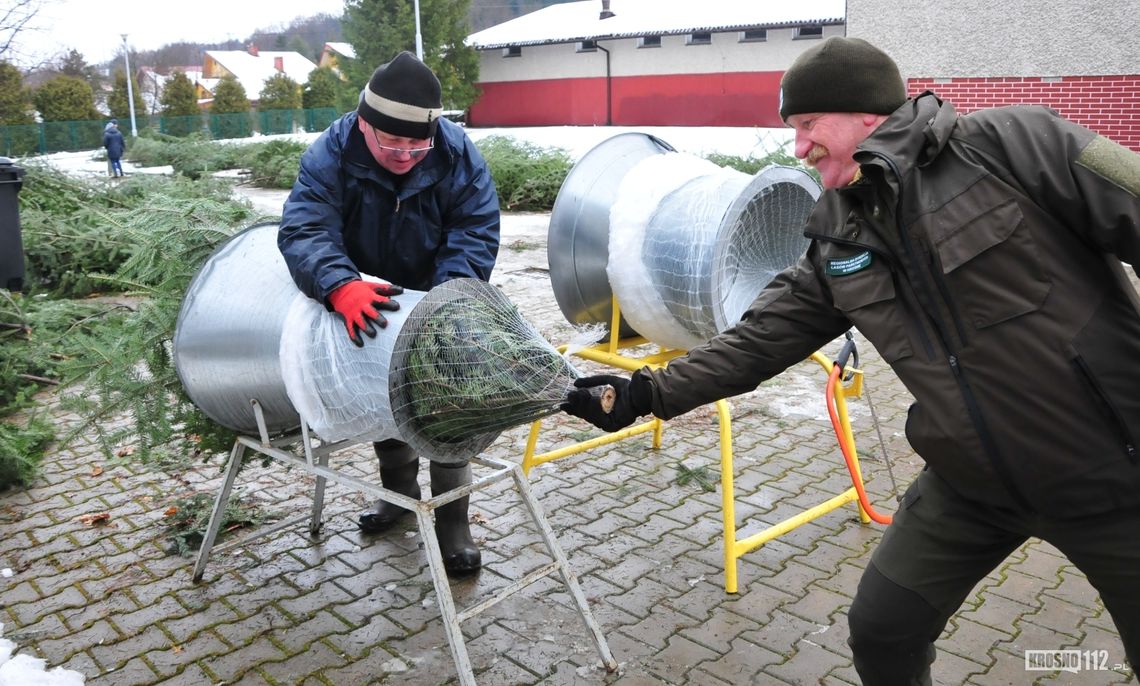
x,y
342,609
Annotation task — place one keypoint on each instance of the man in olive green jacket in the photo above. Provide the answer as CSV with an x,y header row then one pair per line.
x,y
980,255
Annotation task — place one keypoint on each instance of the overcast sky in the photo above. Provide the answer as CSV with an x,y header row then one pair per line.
x,y
94,27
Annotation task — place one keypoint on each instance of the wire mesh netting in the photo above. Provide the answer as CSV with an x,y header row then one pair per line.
x,y
466,366
453,368
692,244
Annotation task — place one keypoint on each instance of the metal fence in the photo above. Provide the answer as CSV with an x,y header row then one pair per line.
x,y
61,136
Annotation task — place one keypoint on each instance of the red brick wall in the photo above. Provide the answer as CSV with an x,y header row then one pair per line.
x,y
1109,105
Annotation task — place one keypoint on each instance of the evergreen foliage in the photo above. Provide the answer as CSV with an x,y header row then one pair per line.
x,y
74,64
65,98
180,106
274,164
470,369
229,97
118,103
178,97
321,89
527,177
118,363
279,93
751,165
379,29
15,99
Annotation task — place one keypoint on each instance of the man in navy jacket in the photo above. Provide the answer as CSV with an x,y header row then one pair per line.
x,y
393,191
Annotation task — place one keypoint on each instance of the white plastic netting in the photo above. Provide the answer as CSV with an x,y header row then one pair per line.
x,y
340,390
692,244
454,367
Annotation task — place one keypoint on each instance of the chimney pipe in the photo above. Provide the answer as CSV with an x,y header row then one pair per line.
x,y
606,13
279,63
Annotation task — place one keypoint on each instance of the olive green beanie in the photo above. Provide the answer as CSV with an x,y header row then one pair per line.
x,y
842,75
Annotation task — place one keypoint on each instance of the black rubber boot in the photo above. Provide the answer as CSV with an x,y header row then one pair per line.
x,y
399,467
452,527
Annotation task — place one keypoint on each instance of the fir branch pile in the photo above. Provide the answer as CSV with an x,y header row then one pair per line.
x,y
106,269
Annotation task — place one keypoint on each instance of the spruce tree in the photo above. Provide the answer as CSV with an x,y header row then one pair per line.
x,y
179,106
379,29
229,97
15,99
230,110
178,97
279,93
66,98
321,88
117,101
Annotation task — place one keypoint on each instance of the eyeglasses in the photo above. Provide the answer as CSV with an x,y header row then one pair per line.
x,y
414,153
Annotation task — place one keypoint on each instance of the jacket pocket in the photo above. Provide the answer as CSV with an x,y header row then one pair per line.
x,y
868,299
1106,406
992,266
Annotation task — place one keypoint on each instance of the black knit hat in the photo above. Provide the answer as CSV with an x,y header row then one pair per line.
x,y
402,98
842,75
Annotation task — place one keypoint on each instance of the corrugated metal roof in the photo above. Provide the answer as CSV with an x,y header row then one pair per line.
x,y
576,21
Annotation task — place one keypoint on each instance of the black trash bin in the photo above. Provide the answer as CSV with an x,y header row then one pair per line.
x,y
11,244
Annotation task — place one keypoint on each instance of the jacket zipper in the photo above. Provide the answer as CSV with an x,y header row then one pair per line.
x,y
972,408
1109,409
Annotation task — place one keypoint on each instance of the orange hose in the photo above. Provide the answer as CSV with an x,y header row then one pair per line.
x,y
848,450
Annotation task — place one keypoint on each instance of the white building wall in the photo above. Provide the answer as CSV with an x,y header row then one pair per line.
x,y
1008,38
726,53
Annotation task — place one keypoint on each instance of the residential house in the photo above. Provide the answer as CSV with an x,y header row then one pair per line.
x,y
251,68
152,83
332,53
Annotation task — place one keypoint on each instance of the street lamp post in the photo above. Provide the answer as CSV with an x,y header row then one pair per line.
x,y
419,36
130,91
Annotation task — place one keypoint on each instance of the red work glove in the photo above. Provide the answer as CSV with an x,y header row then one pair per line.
x,y
359,303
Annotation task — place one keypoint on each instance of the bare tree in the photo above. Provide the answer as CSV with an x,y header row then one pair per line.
x,y
14,18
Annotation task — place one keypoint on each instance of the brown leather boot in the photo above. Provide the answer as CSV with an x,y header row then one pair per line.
x,y
453,529
399,467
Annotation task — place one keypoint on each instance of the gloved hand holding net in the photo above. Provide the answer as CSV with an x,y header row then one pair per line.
x,y
455,367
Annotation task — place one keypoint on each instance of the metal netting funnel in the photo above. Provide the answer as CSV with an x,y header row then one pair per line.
x,y
229,329
466,366
453,368
577,247
692,244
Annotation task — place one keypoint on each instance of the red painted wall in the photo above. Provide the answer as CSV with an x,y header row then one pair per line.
x,y
732,99
1109,105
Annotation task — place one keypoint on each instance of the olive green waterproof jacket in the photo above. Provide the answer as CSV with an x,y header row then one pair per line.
x,y
974,255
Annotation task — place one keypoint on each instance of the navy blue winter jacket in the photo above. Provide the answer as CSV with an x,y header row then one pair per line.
x,y
114,143
347,215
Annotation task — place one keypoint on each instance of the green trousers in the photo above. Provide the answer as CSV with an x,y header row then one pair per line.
x,y
940,545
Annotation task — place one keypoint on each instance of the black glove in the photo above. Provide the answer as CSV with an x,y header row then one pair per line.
x,y
634,398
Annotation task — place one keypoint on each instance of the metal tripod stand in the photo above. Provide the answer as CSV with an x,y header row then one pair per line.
x,y
313,458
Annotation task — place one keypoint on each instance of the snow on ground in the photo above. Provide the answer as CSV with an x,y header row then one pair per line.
x,y
25,670
575,140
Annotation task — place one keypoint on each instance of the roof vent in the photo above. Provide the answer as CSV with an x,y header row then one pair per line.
x,y
606,13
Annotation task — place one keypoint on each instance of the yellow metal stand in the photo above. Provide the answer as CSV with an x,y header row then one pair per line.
x,y
607,354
